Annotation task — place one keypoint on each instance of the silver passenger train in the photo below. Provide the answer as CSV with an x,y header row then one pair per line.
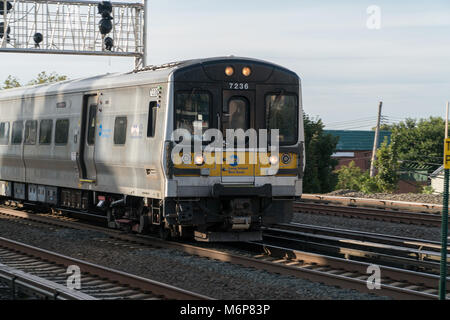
x,y
103,146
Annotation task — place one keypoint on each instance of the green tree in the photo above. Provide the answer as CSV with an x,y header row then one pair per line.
x,y
319,176
353,178
43,77
419,142
349,177
387,166
11,82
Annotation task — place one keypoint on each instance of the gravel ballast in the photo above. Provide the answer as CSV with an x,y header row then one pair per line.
x,y
208,277
408,197
383,227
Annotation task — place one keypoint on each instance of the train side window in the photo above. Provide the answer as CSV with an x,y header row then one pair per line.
x,y
17,132
30,132
4,133
120,130
92,122
61,131
45,131
152,111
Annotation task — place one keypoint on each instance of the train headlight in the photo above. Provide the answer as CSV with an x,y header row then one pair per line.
x,y
186,158
273,159
198,159
286,158
229,71
246,71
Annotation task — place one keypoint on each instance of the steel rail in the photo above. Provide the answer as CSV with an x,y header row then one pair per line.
x,y
364,236
426,219
396,283
20,281
157,289
351,248
374,203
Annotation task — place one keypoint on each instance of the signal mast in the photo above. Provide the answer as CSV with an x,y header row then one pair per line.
x,y
101,28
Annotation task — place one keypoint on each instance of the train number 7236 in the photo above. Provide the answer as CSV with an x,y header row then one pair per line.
x,y
238,86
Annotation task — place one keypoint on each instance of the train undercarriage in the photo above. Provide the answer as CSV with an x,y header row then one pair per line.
x,y
222,217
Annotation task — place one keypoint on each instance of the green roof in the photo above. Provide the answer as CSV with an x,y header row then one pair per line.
x,y
356,140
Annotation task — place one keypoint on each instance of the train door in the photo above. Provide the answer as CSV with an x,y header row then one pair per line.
x,y
87,138
237,113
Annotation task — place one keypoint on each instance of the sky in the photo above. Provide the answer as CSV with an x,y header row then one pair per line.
x,y
346,68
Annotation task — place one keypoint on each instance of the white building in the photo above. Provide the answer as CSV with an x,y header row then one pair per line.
x,y
437,180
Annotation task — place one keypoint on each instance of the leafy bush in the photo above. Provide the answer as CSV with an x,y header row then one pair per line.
x,y
427,190
353,178
350,177
371,184
386,165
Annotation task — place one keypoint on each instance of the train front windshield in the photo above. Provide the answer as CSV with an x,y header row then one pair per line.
x,y
237,95
282,114
193,111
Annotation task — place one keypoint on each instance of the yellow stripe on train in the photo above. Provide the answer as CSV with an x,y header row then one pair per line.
x,y
255,164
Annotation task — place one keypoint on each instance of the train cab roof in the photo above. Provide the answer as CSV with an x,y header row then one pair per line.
x,y
195,70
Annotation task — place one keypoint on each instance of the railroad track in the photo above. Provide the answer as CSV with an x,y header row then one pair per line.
x,y
42,273
417,218
395,283
374,203
406,253
29,286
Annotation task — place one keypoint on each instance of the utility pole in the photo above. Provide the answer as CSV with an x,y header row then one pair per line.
x,y
444,223
375,142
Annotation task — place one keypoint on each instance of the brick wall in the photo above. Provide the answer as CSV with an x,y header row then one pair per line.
x,y
361,159
410,186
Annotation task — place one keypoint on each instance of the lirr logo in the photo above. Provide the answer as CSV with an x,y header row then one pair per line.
x,y
235,160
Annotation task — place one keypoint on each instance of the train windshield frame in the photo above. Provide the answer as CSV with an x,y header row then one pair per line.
x,y
282,113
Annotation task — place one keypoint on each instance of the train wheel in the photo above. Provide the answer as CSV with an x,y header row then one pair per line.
x,y
110,219
143,224
164,233
186,233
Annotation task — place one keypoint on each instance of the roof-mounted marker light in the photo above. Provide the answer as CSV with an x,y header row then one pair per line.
x,y
246,71
229,71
